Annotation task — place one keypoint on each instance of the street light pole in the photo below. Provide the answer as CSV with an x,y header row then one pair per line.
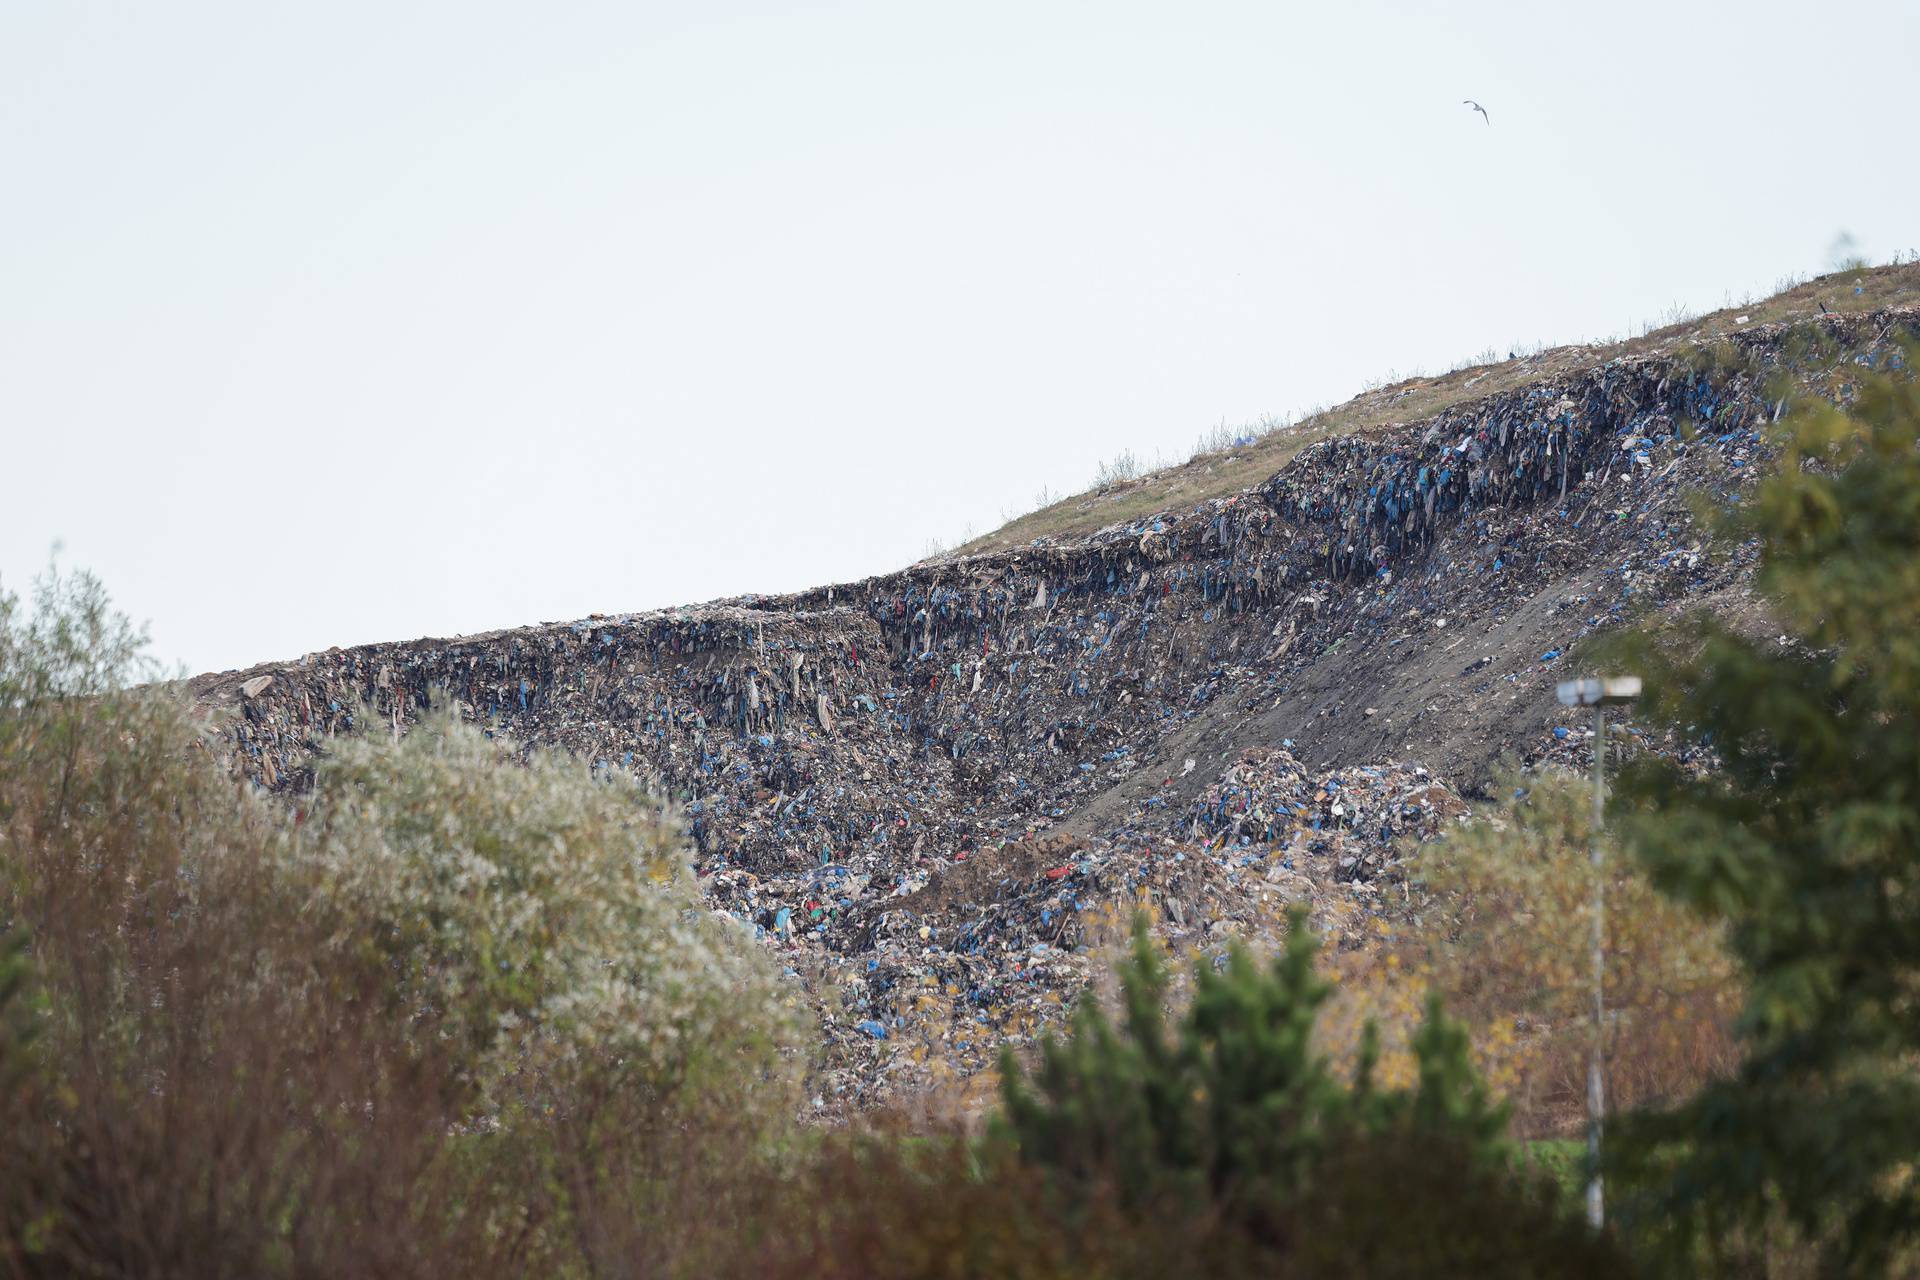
x,y
1596,1088
1598,694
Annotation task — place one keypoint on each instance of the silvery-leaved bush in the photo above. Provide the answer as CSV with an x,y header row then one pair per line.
x,y
541,926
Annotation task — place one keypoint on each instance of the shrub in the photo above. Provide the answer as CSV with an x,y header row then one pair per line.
x,y
460,1019
185,1095
1501,927
870,1205
539,919
1231,1118
544,925
1122,469
1407,1203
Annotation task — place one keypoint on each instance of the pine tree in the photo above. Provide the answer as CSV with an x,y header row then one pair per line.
x,y
1232,1110
1805,841
1229,1133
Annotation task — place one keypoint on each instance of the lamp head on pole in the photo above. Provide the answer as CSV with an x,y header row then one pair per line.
x,y
1602,691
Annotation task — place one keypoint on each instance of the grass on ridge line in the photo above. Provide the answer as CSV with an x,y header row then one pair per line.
x,y
1228,471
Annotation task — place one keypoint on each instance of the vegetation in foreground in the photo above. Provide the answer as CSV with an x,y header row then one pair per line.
x,y
451,1016
455,1018
1804,847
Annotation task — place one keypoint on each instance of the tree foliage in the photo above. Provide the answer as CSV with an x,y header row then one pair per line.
x,y
456,1016
1231,1114
1500,929
1805,843
543,920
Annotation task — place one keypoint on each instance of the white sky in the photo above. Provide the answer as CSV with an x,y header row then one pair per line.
x,y
330,323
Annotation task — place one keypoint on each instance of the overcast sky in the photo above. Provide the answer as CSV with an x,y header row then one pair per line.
x,y
331,323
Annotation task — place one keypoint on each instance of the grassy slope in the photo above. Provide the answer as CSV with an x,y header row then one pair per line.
x,y
1229,471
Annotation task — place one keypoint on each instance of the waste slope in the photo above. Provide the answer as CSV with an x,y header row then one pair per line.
x,y
1404,595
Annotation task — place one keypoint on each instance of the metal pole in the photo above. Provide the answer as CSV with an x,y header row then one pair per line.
x,y
1596,1098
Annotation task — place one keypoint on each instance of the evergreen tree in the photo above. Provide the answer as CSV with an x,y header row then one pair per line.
x,y
1805,841
1232,1119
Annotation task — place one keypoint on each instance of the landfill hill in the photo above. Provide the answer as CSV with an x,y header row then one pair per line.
x,y
933,793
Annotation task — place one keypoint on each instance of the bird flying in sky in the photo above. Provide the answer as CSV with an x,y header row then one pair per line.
x,y
1469,102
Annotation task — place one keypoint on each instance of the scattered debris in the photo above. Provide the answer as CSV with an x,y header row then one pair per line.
x,y
937,794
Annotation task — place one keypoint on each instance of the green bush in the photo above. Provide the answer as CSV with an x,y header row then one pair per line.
x,y
458,1017
543,921
1231,1118
543,927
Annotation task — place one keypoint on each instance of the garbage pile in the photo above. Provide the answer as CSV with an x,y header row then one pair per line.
x,y
925,979
1349,818
890,781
